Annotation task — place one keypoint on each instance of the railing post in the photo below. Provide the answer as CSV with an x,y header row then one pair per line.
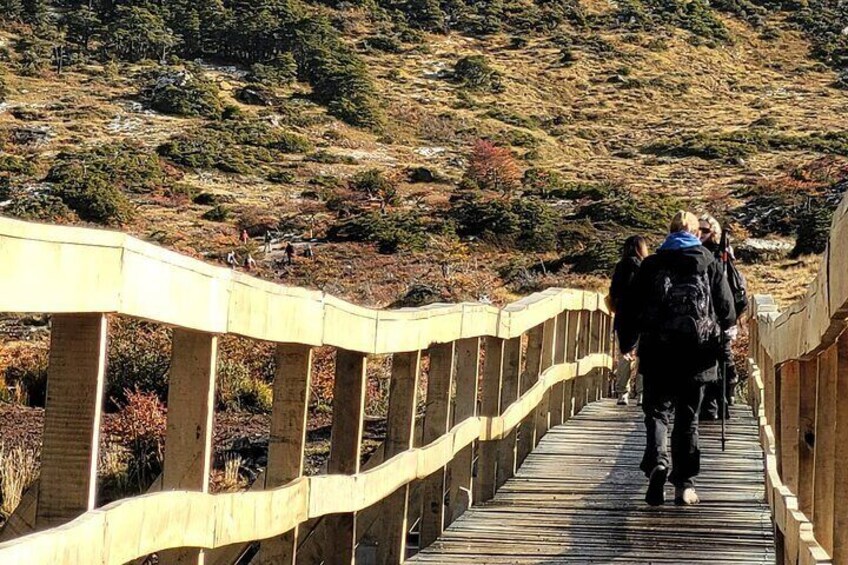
x,y
530,376
490,406
345,449
840,482
287,439
823,494
808,377
572,354
581,383
400,434
556,402
191,407
790,402
510,388
549,345
75,380
436,424
460,488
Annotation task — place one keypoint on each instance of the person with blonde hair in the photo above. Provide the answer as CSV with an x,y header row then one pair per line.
x,y
677,309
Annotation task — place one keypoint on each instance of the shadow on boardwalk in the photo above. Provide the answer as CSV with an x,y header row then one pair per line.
x,y
579,498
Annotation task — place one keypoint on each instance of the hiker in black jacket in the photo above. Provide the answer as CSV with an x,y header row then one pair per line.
x,y
634,250
677,310
710,234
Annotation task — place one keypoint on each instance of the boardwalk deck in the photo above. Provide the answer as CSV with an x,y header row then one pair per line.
x,y
579,498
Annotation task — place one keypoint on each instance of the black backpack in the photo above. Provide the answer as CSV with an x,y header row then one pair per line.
x,y
685,316
738,288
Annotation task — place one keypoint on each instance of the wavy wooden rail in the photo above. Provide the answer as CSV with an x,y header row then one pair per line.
x,y
494,412
799,390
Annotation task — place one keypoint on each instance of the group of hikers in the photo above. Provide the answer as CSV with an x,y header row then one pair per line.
x,y
676,314
289,251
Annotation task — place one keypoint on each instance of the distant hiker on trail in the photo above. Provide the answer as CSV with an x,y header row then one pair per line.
x,y
244,237
249,262
710,233
231,259
268,239
289,253
677,310
634,250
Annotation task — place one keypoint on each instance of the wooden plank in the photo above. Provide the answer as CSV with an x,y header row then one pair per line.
x,y
530,376
287,439
436,424
823,494
807,434
790,402
460,489
73,410
191,411
400,434
579,498
510,387
345,450
840,480
490,405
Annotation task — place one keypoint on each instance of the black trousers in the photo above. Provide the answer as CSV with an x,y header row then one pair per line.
x,y
683,398
711,407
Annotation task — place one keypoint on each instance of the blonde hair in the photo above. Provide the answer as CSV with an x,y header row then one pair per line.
x,y
684,221
715,227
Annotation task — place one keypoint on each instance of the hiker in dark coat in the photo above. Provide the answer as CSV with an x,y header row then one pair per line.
x,y
677,310
710,234
634,250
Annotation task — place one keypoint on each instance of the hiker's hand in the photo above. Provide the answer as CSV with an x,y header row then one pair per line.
x,y
731,333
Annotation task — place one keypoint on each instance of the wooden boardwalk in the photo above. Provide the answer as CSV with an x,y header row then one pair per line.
x,y
579,498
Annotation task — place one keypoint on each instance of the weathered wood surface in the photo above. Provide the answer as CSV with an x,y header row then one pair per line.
x,y
578,498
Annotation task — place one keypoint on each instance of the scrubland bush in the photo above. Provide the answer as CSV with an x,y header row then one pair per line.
x,y
475,73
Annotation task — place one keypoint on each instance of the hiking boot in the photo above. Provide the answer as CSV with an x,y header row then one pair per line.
x,y
623,400
685,496
656,486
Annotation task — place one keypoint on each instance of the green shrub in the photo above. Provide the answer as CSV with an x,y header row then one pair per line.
x,y
27,374
139,358
622,208
281,177
38,205
813,228
391,232
217,213
526,224
233,146
327,158
94,183
475,73
239,391
182,93
598,258
384,43
743,143
280,71
15,165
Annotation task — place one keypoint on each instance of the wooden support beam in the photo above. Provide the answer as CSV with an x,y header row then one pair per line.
x,y
460,488
339,530
511,385
73,410
549,344
790,402
808,379
840,481
400,434
436,424
287,441
823,494
529,377
556,401
490,405
191,408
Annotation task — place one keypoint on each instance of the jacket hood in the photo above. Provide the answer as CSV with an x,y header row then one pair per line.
x,y
688,259
680,240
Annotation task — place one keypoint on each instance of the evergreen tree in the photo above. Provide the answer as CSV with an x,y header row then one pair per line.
x,y
81,24
426,14
136,33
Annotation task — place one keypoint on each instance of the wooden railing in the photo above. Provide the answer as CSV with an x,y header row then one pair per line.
x,y
497,380
799,389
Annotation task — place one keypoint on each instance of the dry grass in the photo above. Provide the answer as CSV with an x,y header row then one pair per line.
x,y
18,470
